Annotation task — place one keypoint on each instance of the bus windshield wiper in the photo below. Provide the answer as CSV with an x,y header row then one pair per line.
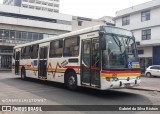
x,y
118,42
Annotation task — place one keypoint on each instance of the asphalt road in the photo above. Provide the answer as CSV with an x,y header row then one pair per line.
x,y
49,93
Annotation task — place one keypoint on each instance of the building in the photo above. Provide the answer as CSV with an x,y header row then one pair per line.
x,y
21,25
108,20
44,5
143,21
83,22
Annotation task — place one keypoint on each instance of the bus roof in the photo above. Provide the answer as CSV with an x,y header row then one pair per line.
x,y
94,28
78,32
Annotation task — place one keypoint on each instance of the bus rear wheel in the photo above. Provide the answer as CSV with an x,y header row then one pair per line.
x,y
71,81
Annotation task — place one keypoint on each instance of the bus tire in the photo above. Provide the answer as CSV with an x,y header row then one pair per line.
x,y
23,74
71,81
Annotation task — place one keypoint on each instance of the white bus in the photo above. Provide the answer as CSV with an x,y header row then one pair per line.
x,y
100,57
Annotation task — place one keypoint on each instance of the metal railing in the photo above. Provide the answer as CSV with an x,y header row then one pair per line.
x,y
13,41
6,51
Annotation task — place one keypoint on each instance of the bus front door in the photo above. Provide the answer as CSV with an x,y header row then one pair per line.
x,y
17,57
42,66
90,63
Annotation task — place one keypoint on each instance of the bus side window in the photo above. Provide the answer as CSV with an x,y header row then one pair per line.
x,y
56,48
23,50
34,51
71,47
27,53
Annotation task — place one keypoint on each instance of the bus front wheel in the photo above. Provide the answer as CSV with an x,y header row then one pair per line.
x,y
71,81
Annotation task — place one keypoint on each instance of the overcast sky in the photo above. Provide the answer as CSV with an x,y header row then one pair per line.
x,y
95,8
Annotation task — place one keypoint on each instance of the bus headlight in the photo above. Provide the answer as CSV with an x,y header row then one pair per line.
x,y
112,79
138,77
115,79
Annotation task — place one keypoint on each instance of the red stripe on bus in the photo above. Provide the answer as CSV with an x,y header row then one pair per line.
x,y
71,67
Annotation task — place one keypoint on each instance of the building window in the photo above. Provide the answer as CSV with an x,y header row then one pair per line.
x,y
38,2
12,34
56,5
44,9
24,5
44,3
40,36
25,0
31,7
1,34
50,10
6,34
38,8
24,36
32,1
80,23
35,36
126,20
50,4
56,11
146,34
145,15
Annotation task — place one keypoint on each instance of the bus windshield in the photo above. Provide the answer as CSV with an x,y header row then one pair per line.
x,y
118,51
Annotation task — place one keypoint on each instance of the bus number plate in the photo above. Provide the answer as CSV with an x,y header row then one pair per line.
x,y
127,84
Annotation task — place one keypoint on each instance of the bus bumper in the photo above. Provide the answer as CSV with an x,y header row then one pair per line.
x,y
120,83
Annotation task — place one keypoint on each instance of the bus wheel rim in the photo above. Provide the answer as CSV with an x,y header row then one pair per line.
x,y
71,81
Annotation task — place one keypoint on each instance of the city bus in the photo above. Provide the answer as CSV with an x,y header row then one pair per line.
x,y
101,57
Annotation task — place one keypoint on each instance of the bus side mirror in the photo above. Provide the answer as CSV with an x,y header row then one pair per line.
x,y
103,43
101,33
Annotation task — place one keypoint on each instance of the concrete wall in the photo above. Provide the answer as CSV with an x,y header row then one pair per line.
x,y
147,52
35,23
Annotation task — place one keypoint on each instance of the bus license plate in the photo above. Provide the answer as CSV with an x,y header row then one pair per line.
x,y
127,84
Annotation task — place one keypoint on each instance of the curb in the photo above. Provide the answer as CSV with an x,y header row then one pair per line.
x,y
145,89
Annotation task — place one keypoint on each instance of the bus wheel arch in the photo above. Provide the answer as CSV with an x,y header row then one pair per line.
x,y
70,79
23,73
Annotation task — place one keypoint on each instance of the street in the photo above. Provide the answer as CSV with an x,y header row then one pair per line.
x,y
49,93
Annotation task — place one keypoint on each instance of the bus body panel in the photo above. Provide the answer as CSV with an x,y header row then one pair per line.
x,y
57,67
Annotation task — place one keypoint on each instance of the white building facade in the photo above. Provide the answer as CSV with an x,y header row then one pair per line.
x,y
21,25
44,5
143,21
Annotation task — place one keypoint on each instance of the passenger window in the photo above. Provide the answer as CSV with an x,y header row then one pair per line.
x,y
34,51
56,48
71,48
25,52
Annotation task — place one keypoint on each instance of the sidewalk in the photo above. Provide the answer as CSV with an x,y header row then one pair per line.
x,y
149,84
